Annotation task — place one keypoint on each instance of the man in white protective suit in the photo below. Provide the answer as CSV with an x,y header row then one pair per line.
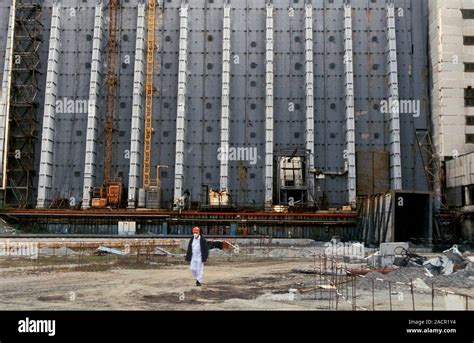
x,y
197,254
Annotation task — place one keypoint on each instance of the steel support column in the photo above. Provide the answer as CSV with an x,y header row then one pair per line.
x,y
90,163
225,110
137,110
269,107
349,97
6,95
181,104
45,182
393,100
309,129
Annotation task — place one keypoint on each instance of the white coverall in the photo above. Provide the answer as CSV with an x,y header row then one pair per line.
x,y
196,261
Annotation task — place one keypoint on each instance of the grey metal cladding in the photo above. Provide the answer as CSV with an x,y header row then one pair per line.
x,y
247,119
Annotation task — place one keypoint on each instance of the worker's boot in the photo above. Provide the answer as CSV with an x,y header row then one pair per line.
x,y
198,283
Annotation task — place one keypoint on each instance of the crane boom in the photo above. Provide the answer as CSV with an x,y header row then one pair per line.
x,y
150,64
111,90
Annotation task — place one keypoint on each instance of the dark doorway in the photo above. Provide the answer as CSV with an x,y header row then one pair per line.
x,y
412,217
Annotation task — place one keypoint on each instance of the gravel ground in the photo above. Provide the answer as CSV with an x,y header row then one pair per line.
x,y
463,278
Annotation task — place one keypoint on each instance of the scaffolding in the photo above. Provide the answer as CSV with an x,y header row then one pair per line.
x,y
432,168
24,105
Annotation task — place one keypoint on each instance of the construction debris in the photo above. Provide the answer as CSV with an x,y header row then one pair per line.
x,y
439,265
453,253
314,272
409,258
394,254
309,289
419,283
445,264
384,270
450,269
103,250
374,259
163,252
404,276
6,229
306,271
389,251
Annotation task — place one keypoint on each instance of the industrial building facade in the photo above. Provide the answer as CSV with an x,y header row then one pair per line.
x,y
269,102
452,60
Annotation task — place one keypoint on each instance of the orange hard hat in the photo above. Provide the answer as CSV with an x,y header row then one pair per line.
x,y
195,229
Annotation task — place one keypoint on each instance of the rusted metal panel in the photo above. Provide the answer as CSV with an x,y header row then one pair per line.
x,y
99,202
381,172
114,193
372,172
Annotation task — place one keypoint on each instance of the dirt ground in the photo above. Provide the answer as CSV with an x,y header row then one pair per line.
x,y
227,285
167,284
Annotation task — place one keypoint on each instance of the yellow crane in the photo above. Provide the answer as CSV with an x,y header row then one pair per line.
x,y
111,90
150,66
111,192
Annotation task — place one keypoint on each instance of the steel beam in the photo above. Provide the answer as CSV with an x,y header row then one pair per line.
x,y
309,129
45,182
181,104
5,96
394,120
349,98
137,110
90,163
269,106
224,161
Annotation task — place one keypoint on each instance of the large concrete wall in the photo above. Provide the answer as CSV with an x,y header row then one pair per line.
x,y
448,55
247,89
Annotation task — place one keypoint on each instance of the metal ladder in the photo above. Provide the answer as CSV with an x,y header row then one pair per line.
x,y
150,64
